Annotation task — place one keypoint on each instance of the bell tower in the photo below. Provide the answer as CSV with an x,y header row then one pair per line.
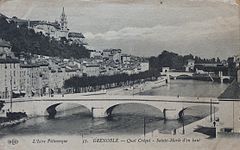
x,y
63,21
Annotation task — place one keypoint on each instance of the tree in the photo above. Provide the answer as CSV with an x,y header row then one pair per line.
x,y
218,60
114,80
1,104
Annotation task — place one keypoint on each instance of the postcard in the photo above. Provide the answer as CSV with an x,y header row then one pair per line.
x,y
119,74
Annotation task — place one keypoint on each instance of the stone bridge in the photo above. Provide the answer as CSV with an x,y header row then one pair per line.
x,y
103,105
175,75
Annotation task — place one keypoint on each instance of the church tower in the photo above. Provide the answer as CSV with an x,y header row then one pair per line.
x,y
63,33
63,21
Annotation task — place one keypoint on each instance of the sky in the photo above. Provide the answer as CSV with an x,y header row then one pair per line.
x,y
207,28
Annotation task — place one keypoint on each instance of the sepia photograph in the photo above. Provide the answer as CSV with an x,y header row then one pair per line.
x,y
119,74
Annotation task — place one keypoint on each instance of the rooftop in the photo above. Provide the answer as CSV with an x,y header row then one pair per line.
x,y
9,60
75,35
4,43
92,65
29,65
112,50
71,70
54,24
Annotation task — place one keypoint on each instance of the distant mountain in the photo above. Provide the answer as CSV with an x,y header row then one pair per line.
x,y
24,40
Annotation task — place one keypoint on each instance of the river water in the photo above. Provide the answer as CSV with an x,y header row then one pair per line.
x,y
127,119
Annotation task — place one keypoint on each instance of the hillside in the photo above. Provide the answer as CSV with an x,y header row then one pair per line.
x,y
26,41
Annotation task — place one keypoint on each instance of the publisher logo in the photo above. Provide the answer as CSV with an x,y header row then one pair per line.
x,y
13,142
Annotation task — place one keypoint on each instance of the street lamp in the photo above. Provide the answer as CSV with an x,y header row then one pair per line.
x,y
11,92
210,110
144,124
183,129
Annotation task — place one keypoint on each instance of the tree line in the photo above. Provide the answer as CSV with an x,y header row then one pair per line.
x,y
176,61
94,83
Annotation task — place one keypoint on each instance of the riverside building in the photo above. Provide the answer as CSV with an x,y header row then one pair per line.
x,y
9,71
229,110
9,77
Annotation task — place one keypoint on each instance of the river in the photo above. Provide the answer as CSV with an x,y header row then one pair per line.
x,y
127,119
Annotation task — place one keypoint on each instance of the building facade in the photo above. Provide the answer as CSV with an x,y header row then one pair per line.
x,y
190,65
30,80
90,69
9,77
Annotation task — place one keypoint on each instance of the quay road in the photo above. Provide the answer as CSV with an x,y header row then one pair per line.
x,y
128,98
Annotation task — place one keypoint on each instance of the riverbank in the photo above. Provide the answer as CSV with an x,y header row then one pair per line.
x,y
7,122
196,129
137,88
123,90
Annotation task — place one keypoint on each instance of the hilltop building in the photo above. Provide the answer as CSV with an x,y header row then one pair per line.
x,y
63,33
57,30
48,29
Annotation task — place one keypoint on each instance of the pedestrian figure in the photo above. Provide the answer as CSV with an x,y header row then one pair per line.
x,y
214,123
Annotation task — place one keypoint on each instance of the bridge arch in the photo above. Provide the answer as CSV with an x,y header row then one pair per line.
x,y
226,80
51,110
100,109
183,76
64,108
181,113
110,109
198,110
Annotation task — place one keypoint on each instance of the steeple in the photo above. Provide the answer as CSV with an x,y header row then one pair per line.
x,y
63,13
63,20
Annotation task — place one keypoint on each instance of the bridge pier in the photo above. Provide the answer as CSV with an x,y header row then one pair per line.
x,y
221,76
168,78
170,114
98,112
